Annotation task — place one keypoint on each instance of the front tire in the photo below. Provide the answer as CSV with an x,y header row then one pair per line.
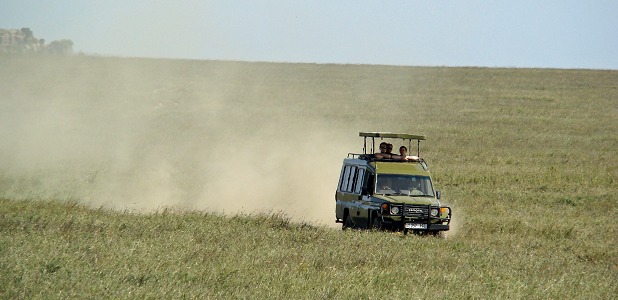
x,y
376,223
347,222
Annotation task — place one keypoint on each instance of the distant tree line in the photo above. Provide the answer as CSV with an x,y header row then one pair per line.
x,y
24,41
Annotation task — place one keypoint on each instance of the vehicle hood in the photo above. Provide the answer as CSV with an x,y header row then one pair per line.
x,y
408,199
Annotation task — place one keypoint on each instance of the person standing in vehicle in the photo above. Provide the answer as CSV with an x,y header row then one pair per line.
x,y
383,147
381,154
403,153
386,152
389,149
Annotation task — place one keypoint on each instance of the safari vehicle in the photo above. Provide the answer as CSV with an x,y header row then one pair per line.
x,y
393,194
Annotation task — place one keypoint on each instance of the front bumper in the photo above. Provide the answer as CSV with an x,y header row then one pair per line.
x,y
438,227
416,217
396,223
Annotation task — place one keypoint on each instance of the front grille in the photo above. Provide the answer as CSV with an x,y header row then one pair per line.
x,y
418,211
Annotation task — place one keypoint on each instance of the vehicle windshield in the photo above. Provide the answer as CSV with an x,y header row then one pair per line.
x,y
411,185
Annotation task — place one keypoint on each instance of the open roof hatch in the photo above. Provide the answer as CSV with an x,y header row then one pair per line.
x,y
390,135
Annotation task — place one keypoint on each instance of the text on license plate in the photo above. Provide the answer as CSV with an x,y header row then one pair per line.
x,y
416,226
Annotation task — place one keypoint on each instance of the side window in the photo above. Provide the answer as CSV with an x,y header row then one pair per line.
x,y
344,178
351,180
359,181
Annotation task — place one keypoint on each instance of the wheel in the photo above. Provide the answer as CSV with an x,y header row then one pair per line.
x,y
376,223
347,222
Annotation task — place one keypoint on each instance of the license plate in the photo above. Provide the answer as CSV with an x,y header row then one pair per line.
x,y
416,226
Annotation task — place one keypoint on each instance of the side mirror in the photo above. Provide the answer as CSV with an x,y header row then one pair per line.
x,y
438,194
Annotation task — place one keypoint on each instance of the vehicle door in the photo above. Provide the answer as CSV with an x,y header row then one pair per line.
x,y
345,198
351,190
364,199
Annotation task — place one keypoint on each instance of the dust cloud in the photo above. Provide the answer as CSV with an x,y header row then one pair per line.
x,y
143,135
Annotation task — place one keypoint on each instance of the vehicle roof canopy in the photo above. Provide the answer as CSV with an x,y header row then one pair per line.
x,y
390,135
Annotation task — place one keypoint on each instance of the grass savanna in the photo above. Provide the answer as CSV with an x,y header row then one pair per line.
x,y
93,150
67,251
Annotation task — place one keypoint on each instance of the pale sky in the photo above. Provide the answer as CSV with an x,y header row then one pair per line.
x,y
523,33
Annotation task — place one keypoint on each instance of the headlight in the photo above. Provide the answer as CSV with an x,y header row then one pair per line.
x,y
394,210
434,212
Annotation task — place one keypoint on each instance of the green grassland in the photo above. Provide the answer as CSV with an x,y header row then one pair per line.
x,y
144,178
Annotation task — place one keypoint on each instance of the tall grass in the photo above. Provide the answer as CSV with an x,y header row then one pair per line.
x,y
527,159
68,251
